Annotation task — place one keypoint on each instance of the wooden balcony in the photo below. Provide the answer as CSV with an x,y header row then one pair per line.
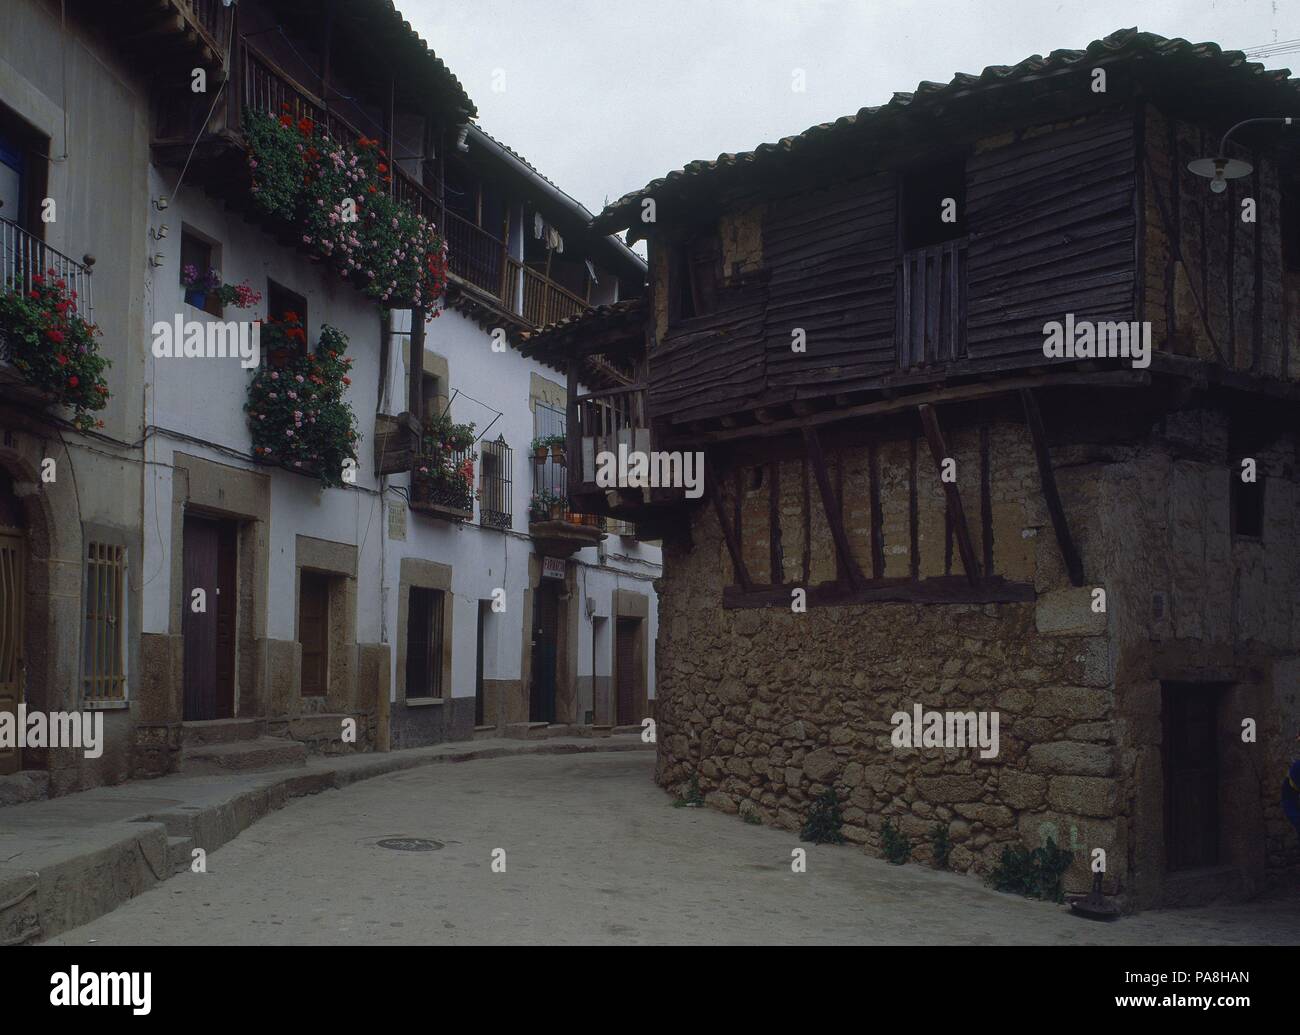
x,y
930,325
605,421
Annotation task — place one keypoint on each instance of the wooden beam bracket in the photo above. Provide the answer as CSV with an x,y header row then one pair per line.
x,y
1069,553
939,450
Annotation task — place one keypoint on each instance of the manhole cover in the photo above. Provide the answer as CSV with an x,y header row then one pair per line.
x,y
410,844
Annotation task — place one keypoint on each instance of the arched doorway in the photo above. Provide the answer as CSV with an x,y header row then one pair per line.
x,y
13,612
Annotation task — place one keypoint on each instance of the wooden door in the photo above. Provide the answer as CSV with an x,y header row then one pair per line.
x,y
208,563
627,672
12,563
313,632
1191,775
546,630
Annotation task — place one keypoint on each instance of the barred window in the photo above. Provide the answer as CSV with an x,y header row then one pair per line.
x,y
103,641
495,484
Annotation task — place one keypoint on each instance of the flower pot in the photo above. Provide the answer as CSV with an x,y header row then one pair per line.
x,y
198,299
557,453
557,511
539,454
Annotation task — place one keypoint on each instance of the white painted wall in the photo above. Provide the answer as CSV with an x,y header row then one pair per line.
x,y
492,383
203,399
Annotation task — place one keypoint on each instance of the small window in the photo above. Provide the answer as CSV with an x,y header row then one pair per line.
x,y
281,303
1247,506
424,643
926,216
199,273
693,277
103,637
432,398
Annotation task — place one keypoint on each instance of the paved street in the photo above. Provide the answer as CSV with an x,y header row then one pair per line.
x,y
594,853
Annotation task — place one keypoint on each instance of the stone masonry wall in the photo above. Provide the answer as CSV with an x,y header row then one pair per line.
x,y
768,707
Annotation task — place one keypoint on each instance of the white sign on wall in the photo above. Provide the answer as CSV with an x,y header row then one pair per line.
x,y
552,567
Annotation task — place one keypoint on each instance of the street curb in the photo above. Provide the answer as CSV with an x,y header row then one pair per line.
x,y
152,847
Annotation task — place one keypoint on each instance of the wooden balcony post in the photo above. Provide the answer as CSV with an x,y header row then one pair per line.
x,y
236,87
415,388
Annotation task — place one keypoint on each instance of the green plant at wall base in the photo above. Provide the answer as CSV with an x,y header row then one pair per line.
x,y
1036,874
690,796
296,408
941,845
824,820
54,349
897,848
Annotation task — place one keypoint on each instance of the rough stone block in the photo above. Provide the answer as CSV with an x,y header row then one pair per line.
x,y
1068,612
1071,758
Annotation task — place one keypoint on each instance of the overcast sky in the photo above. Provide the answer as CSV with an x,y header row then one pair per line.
x,y
602,96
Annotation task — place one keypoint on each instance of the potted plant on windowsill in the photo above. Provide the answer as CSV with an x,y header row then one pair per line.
x,y
200,287
538,447
556,444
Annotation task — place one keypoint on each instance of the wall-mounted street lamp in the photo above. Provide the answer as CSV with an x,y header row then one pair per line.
x,y
1220,169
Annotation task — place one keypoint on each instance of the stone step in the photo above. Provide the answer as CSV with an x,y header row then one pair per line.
x,y
486,733
220,731
243,756
322,734
24,785
526,730
178,854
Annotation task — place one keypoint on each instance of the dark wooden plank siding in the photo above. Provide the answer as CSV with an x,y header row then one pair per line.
x,y
1052,232
830,261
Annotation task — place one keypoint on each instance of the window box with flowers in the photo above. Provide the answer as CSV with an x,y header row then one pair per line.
x,y
46,347
338,197
442,480
204,288
296,408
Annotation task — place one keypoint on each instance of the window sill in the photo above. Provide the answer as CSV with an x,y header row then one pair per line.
x,y
105,706
423,702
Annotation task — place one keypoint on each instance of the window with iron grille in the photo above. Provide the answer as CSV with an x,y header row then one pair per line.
x,y
550,476
424,642
103,638
495,484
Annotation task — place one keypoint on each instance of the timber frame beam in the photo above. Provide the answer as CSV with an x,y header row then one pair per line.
x,y
939,451
728,533
834,515
1037,436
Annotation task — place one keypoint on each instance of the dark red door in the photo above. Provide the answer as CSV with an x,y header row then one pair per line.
x,y
208,563
626,674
